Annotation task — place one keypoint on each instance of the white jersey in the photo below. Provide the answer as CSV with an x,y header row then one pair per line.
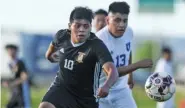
x,y
161,67
164,66
120,49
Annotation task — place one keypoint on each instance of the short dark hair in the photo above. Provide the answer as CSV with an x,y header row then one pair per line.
x,y
166,50
101,11
11,46
120,7
81,13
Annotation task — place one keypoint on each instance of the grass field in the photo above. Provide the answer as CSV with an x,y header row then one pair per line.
x,y
141,99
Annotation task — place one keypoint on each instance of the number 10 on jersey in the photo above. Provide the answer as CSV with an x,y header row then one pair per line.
x,y
68,64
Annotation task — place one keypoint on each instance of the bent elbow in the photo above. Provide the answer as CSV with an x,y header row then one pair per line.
x,y
47,56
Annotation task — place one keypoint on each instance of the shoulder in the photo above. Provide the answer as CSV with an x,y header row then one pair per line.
x,y
129,31
20,62
161,61
94,40
62,33
103,32
97,44
93,37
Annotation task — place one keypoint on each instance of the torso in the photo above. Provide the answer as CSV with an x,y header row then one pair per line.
x,y
77,66
120,49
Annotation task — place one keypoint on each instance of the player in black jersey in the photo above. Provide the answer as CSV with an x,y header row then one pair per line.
x,y
18,76
79,51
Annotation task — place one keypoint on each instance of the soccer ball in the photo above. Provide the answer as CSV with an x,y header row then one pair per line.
x,y
160,86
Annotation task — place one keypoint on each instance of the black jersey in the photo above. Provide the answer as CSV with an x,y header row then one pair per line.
x,y
77,64
16,100
17,67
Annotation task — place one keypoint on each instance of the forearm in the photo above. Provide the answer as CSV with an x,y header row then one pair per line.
x,y
16,82
124,70
52,59
23,77
112,77
50,54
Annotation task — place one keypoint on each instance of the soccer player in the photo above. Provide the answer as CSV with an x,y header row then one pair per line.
x,y
100,19
164,64
79,51
15,83
118,38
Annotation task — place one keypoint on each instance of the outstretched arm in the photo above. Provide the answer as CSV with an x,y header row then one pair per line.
x,y
124,70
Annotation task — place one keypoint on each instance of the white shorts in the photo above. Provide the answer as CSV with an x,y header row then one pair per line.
x,y
121,98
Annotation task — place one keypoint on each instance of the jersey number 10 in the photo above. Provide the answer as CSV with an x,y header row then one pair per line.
x,y
68,64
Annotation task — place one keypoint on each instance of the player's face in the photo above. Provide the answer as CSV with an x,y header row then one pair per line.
x,y
80,30
100,21
12,52
117,23
168,56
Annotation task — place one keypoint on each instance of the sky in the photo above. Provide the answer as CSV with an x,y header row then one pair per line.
x,y
51,15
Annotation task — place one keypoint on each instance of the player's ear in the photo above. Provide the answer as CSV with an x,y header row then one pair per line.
x,y
69,26
107,20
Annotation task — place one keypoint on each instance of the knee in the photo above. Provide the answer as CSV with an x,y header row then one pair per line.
x,y
46,105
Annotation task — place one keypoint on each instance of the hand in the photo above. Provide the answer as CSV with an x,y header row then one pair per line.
x,y
130,83
103,91
55,57
146,63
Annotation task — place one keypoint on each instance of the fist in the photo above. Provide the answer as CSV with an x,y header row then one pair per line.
x,y
130,83
103,91
146,63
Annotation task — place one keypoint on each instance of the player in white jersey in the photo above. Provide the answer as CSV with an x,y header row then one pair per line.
x,y
163,65
118,39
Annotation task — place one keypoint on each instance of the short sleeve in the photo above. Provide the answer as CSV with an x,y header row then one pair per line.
x,y
22,67
56,38
102,52
60,37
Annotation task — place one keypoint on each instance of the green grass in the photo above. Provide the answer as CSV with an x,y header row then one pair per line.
x,y
141,99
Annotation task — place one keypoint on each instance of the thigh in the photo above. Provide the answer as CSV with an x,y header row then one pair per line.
x,y
87,103
60,98
16,100
123,98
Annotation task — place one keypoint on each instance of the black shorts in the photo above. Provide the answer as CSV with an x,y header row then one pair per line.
x,y
16,100
60,97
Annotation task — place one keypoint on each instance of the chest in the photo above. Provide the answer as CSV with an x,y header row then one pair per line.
x,y
120,49
15,68
75,57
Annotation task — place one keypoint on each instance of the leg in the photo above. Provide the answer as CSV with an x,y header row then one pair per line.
x,y
87,102
122,98
58,97
15,100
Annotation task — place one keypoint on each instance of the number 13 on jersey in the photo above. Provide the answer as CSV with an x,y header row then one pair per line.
x,y
120,60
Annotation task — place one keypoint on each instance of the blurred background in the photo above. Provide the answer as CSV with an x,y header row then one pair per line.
x,y
31,24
